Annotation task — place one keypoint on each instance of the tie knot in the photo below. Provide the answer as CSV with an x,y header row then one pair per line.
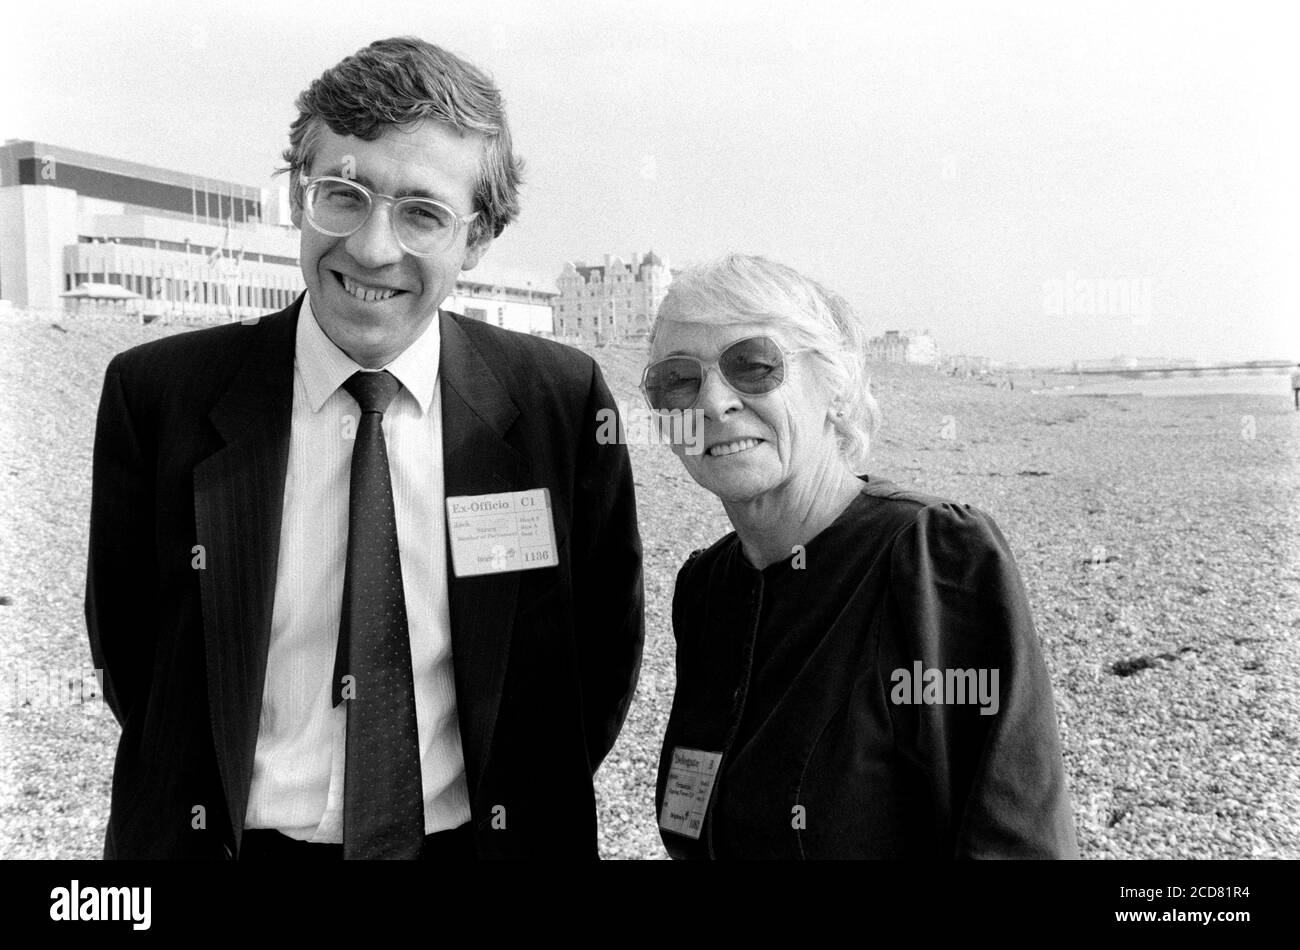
x,y
373,391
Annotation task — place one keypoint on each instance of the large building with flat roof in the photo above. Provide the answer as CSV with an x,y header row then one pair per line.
x,y
177,244
90,233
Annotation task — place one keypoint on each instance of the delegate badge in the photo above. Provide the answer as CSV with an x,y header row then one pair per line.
x,y
507,531
686,797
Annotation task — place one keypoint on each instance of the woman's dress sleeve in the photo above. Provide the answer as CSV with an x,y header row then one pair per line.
x,y
956,605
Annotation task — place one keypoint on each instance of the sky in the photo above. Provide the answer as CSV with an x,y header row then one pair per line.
x,y
1037,182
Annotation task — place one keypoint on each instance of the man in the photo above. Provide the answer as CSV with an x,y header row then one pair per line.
x,y
321,635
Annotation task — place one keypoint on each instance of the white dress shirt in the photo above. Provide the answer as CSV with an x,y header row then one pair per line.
x,y
298,766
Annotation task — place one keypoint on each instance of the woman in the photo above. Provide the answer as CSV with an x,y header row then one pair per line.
x,y
858,674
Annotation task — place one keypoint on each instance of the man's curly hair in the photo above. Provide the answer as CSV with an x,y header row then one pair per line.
x,y
400,82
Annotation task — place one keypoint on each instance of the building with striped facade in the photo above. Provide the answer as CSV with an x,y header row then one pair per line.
x,y
199,247
76,226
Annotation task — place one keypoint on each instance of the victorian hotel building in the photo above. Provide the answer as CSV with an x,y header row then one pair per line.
x,y
89,234
610,301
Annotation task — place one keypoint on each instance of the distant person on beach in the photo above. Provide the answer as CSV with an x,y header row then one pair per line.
x,y
1295,384
858,674
363,581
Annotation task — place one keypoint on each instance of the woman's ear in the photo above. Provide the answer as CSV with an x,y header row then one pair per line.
x,y
838,398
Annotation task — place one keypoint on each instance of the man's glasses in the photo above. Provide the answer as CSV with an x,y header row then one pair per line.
x,y
753,366
339,207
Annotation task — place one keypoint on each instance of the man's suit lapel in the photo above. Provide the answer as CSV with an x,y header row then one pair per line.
x,y
477,411
238,500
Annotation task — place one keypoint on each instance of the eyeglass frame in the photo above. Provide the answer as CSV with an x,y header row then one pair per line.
x,y
462,220
705,365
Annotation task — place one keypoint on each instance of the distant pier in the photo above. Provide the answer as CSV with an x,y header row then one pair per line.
x,y
1248,368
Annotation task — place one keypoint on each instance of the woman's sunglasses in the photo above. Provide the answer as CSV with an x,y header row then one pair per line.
x,y
753,366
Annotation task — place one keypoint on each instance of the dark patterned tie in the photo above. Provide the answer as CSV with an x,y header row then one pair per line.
x,y
383,803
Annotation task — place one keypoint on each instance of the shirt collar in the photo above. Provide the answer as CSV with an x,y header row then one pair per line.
x,y
325,367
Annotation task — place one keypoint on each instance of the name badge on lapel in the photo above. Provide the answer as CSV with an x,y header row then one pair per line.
x,y
686,796
506,531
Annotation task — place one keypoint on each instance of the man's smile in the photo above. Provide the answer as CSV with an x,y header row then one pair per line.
x,y
369,293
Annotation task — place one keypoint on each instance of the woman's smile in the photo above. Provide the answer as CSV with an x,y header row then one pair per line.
x,y
734,447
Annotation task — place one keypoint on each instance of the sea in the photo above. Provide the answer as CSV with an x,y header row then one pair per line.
x,y
1270,384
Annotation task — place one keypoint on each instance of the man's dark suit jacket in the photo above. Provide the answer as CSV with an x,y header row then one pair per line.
x,y
191,450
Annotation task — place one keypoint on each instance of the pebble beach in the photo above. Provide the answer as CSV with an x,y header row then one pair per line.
x,y
1158,538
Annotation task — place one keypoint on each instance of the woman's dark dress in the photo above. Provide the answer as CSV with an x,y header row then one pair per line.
x,y
789,673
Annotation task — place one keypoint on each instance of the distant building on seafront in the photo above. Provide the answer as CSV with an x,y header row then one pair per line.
x,y
962,365
610,301
904,346
1113,362
77,224
502,305
90,234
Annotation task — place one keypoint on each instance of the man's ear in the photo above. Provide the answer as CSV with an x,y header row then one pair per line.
x,y
474,252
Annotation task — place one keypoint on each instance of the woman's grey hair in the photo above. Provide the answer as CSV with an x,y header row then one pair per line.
x,y
743,289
